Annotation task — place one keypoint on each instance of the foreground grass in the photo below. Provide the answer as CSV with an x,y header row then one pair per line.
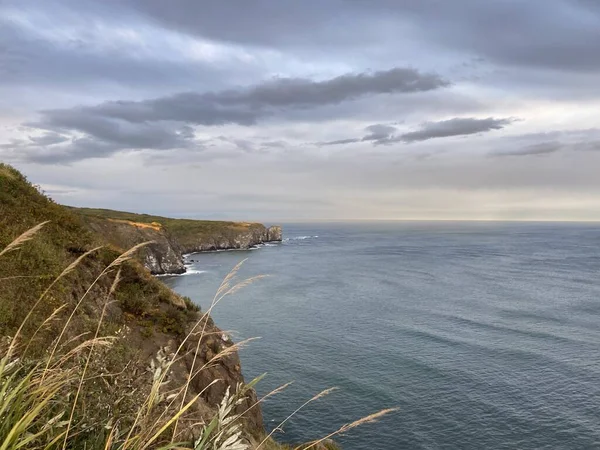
x,y
39,398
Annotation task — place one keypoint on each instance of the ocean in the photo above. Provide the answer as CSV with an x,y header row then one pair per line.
x,y
484,335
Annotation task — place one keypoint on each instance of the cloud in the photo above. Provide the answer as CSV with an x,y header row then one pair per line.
x,y
76,150
560,34
48,139
181,75
379,133
83,137
247,106
338,142
542,148
44,139
164,123
160,135
453,127
590,146
385,134
71,48
376,133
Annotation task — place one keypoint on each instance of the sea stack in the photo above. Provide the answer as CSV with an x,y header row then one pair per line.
x,y
274,233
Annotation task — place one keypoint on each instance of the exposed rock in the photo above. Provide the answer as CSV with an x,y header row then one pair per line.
x,y
274,234
161,257
243,237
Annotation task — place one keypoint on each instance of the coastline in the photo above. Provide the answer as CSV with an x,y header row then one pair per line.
x,y
173,239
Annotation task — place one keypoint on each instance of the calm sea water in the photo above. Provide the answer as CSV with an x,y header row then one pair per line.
x,y
485,335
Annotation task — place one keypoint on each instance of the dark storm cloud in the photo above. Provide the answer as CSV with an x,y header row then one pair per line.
x,y
454,127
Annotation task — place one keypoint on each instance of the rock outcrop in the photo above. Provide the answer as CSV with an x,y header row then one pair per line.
x,y
160,257
240,237
274,234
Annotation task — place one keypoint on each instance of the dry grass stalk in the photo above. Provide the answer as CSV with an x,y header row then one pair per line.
x,y
119,260
314,398
27,236
266,396
70,268
347,427
224,289
89,355
146,430
127,255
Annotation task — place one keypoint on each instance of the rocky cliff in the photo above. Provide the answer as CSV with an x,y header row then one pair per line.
x,y
162,256
236,236
274,234
174,237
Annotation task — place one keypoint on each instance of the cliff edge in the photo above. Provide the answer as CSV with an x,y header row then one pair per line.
x,y
174,237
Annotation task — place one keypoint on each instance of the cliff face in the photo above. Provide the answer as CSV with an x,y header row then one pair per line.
x,y
240,236
160,257
274,234
174,237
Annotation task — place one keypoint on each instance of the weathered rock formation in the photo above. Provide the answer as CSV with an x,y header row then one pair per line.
x,y
242,236
274,234
160,257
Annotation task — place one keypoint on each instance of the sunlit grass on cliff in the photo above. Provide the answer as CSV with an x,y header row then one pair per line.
x,y
50,397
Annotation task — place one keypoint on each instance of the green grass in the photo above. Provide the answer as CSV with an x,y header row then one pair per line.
x,y
185,231
60,242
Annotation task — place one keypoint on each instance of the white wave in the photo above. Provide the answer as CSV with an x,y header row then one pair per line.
x,y
194,272
300,238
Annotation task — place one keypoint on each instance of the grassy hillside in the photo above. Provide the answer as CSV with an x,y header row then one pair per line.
x,y
60,242
136,329
185,231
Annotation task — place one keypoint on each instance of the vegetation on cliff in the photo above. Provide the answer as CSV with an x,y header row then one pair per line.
x,y
187,233
172,237
68,303
96,353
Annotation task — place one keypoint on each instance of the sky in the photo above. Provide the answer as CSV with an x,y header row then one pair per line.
x,y
274,110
